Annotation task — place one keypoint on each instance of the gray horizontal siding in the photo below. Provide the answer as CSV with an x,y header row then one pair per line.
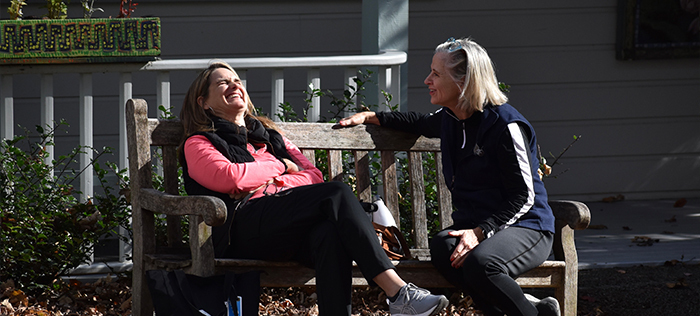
x,y
639,120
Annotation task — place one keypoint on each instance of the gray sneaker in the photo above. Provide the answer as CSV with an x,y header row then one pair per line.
x,y
413,300
547,306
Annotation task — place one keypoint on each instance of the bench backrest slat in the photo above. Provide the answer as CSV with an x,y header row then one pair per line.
x,y
390,182
444,196
170,182
420,225
362,137
360,140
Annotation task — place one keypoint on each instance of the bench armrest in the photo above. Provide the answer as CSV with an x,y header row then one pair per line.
x,y
212,209
574,213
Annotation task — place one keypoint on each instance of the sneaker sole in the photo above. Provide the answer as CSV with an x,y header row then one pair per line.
x,y
441,305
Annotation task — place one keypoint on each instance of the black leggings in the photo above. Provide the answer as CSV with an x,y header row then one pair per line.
x,y
489,270
321,225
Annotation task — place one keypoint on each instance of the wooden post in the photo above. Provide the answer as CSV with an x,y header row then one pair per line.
x,y
142,220
385,28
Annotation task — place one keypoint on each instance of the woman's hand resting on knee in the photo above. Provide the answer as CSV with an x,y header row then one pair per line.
x,y
469,239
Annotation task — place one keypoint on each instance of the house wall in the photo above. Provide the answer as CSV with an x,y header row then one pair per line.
x,y
639,121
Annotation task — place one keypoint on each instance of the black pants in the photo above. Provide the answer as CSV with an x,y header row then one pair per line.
x,y
323,226
489,270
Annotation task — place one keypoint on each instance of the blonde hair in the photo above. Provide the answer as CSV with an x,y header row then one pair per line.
x,y
195,118
472,69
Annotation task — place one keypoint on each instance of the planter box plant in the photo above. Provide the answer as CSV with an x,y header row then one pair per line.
x,y
79,40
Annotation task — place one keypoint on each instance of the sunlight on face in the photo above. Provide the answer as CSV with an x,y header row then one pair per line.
x,y
227,97
443,89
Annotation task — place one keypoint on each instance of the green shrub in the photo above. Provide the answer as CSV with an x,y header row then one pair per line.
x,y
45,231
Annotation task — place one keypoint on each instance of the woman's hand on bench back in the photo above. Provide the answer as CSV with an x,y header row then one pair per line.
x,y
367,117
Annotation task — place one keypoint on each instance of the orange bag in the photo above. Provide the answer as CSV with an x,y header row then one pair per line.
x,y
393,242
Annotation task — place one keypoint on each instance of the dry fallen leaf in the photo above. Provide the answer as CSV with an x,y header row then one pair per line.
x,y
18,298
644,240
678,284
5,304
680,202
611,199
671,220
287,303
599,226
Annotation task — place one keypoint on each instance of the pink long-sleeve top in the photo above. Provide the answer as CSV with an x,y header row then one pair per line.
x,y
211,169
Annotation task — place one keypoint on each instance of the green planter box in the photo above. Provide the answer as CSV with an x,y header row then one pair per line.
x,y
79,40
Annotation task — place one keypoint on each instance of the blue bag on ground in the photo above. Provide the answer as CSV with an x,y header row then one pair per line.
x,y
177,293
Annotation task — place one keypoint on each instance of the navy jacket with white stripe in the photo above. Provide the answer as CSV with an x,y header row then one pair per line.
x,y
490,163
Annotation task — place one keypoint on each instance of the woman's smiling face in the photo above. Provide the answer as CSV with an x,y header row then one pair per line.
x,y
444,90
226,95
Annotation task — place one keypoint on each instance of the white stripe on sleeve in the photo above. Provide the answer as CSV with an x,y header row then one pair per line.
x,y
523,155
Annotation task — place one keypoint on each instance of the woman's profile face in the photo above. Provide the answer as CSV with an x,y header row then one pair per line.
x,y
227,95
443,89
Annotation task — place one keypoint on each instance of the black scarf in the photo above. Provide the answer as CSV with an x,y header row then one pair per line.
x,y
232,140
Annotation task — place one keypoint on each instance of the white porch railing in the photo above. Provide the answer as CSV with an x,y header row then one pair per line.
x,y
387,62
388,80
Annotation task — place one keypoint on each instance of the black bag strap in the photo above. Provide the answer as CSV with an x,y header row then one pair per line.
x,y
230,291
186,290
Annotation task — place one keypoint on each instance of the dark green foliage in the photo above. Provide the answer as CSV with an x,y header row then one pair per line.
x,y
352,100
57,9
44,229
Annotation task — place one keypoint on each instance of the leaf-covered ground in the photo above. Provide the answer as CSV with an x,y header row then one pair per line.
x,y
672,289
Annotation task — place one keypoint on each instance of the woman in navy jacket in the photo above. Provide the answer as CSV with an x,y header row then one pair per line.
x,y
503,225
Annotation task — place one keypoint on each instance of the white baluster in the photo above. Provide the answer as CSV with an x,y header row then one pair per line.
x,y
396,85
7,113
125,93
47,111
385,84
277,93
313,77
86,136
350,75
163,90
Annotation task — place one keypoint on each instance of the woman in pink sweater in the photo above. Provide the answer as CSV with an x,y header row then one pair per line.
x,y
279,208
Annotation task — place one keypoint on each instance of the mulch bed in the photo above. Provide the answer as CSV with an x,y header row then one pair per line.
x,y
671,289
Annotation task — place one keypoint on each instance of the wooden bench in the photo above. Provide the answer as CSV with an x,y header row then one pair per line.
x,y
204,212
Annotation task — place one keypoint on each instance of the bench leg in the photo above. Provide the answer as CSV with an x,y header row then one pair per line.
x,y
143,222
140,297
565,249
567,295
